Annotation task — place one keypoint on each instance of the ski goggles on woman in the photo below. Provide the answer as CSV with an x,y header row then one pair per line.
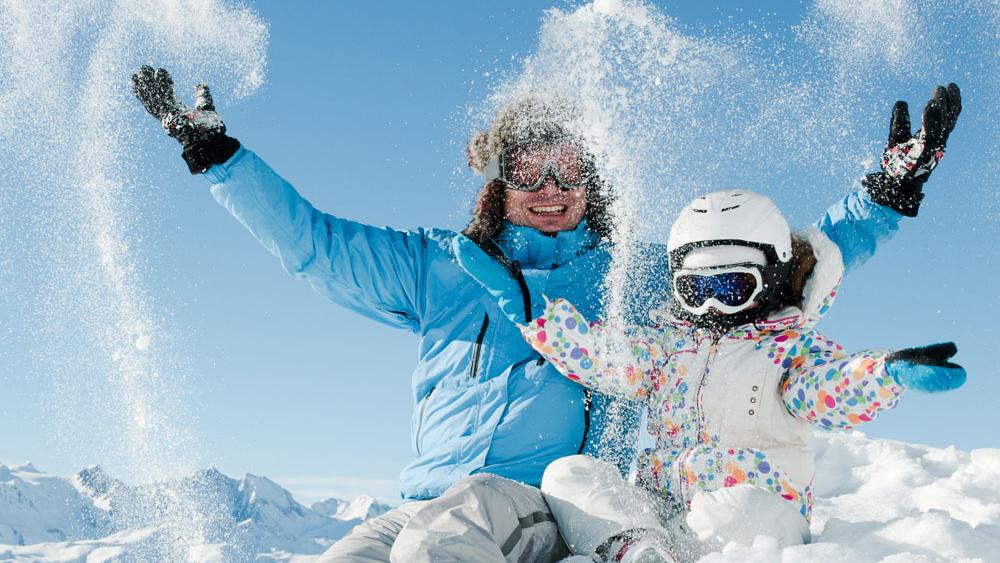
x,y
526,167
729,289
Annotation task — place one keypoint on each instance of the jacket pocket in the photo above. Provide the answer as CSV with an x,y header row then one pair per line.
x,y
421,414
477,350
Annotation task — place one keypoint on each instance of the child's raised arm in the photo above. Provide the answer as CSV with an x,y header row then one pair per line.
x,y
825,386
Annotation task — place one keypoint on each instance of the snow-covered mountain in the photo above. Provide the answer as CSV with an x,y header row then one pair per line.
x,y
876,501
89,513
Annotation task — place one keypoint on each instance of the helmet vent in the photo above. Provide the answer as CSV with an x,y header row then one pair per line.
x,y
700,210
724,209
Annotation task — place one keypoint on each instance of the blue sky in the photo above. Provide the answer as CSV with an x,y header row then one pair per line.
x,y
364,109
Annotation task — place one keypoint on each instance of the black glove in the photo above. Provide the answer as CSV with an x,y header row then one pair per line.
x,y
908,159
200,130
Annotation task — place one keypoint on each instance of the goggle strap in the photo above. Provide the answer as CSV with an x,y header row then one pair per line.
x,y
491,171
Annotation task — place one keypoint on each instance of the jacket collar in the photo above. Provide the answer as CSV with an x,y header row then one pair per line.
x,y
537,250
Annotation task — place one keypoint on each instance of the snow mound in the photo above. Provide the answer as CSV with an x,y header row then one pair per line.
x,y
887,501
876,501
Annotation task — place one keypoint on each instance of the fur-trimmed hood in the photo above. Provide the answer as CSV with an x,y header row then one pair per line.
x,y
529,119
820,289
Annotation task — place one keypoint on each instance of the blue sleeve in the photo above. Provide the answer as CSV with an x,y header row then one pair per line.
x,y
858,226
376,272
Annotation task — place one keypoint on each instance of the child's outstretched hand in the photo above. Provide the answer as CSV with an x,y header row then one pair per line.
x,y
926,368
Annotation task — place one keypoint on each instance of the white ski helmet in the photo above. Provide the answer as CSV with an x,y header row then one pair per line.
x,y
733,227
731,218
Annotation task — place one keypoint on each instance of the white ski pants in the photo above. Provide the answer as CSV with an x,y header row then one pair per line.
x,y
591,502
480,519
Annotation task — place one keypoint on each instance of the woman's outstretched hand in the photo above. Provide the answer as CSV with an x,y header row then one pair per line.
x,y
199,130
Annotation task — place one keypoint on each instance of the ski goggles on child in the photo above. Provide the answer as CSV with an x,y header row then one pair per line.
x,y
729,289
526,167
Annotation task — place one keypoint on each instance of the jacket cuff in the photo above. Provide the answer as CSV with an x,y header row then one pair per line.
x,y
902,195
202,155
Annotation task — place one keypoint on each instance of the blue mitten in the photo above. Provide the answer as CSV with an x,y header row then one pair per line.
x,y
492,275
926,368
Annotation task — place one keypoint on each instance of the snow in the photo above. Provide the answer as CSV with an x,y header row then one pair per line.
x,y
876,501
52,518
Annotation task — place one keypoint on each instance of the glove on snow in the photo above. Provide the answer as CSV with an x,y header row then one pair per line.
x,y
200,130
926,368
908,159
500,282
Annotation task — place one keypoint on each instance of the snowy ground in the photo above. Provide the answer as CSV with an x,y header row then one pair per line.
x,y
877,500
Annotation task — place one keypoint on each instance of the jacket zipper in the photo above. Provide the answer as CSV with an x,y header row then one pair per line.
x,y
699,413
515,270
588,397
478,349
684,492
420,418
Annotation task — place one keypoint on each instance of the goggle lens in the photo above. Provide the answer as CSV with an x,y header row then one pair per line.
x,y
526,167
731,288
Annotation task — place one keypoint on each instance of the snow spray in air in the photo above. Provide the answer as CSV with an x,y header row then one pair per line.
x,y
782,109
73,206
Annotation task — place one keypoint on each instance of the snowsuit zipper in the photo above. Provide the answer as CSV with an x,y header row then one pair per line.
x,y
478,348
684,454
699,412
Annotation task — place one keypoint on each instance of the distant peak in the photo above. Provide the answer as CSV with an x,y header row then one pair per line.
x,y
27,467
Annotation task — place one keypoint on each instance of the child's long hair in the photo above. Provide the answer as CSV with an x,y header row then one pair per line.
x,y
803,262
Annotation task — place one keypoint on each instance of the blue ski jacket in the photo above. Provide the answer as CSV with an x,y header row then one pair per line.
x,y
485,401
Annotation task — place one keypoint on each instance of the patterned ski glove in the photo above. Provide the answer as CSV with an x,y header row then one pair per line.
x,y
908,159
200,130
492,275
926,368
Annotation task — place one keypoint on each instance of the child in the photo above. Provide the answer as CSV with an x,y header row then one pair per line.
x,y
733,378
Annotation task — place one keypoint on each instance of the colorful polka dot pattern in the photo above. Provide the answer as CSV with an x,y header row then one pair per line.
x,y
570,343
683,473
839,391
820,384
